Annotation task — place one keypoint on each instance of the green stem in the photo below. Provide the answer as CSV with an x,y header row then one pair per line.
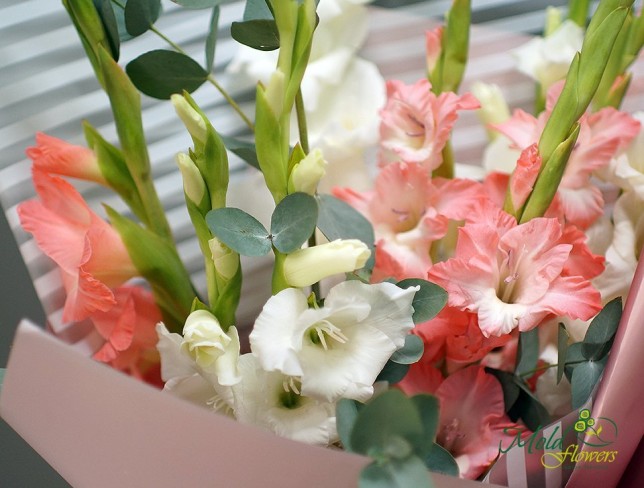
x,y
446,169
548,366
301,121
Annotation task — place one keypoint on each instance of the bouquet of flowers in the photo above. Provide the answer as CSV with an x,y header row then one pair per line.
x,y
430,320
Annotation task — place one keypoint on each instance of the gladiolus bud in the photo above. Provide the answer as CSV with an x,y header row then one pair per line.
x,y
193,184
226,261
307,266
190,117
494,109
307,173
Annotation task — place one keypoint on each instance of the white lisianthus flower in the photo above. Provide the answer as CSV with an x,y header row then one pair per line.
x,y
213,350
547,59
273,401
337,351
312,264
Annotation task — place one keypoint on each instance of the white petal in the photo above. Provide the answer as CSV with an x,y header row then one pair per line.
x,y
273,339
174,363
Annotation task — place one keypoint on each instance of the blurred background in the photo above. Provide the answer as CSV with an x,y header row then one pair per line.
x,y
46,85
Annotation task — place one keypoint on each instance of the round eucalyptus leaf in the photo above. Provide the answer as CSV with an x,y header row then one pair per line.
x,y
396,473
239,231
601,331
584,378
293,221
197,4
439,460
140,15
260,34
428,301
110,23
161,73
410,352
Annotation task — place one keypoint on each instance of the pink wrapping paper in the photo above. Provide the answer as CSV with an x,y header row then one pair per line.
x,y
102,429
620,396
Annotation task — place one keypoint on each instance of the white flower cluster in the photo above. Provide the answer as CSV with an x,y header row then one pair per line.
x,y
303,358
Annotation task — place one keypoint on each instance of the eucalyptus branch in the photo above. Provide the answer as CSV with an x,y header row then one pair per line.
x,y
211,79
548,366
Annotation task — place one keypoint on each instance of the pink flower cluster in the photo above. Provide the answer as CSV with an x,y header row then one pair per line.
x,y
93,261
501,276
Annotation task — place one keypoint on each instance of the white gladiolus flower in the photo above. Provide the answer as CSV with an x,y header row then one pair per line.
x,y
494,108
624,251
338,350
273,401
180,373
547,60
213,350
627,170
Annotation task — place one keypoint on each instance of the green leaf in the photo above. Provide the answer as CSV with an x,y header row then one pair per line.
x,y
158,262
439,460
245,150
140,15
197,4
110,25
509,386
601,331
410,352
119,14
259,34
257,9
339,220
574,356
562,349
211,39
528,408
428,409
293,221
528,352
3,372
393,372
584,378
239,231
428,301
409,472
161,73
346,413
389,415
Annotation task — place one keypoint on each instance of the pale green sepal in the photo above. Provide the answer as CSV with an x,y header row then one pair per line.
x,y
549,178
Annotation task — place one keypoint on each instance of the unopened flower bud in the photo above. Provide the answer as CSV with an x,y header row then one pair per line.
x,y
210,347
494,108
190,117
307,266
193,184
307,173
226,261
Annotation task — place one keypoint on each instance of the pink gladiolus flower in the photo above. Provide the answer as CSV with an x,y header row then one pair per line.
x,y
601,136
89,252
408,212
56,156
416,123
454,335
130,335
472,413
525,175
514,276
